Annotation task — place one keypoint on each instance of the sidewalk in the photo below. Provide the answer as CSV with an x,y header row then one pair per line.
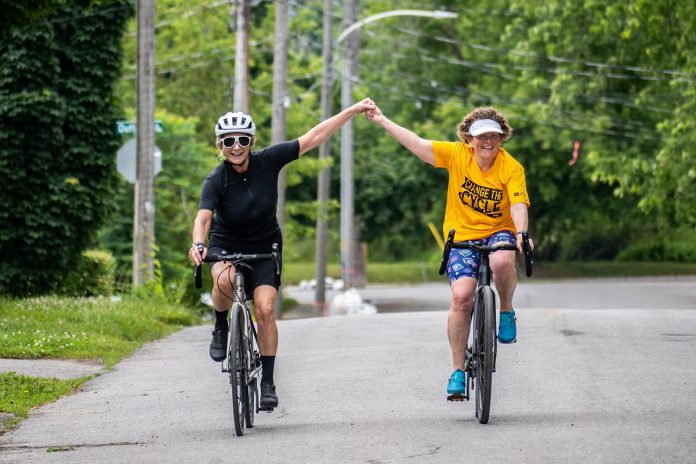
x,y
61,369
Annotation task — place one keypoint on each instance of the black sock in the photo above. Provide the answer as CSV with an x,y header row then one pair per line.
x,y
267,364
221,319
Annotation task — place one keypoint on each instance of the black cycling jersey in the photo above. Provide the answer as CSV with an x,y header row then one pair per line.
x,y
244,205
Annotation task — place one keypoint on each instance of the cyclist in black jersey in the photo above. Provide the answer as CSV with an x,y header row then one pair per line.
x,y
237,213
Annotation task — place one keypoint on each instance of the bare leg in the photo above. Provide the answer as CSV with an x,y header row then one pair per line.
x,y
459,319
223,286
505,276
264,299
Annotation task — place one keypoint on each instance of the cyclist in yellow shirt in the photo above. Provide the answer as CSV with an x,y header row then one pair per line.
x,y
486,200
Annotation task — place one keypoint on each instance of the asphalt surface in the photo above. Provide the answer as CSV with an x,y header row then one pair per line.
x,y
605,385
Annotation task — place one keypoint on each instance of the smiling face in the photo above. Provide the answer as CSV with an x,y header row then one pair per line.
x,y
237,155
486,145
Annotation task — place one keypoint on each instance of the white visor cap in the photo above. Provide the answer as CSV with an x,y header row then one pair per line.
x,y
481,126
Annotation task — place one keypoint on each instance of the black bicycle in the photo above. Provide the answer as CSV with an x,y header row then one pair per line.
x,y
243,361
481,356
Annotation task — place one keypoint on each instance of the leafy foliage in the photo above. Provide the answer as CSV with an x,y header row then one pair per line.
x,y
56,140
93,275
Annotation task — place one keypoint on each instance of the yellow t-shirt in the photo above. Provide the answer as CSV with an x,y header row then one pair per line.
x,y
478,203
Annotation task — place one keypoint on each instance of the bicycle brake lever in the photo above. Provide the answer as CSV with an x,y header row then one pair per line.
x,y
528,254
197,277
446,252
276,260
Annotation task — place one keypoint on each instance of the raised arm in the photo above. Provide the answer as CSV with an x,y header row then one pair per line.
x,y
420,147
325,129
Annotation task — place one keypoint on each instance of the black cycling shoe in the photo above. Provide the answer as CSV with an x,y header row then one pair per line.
x,y
218,345
269,399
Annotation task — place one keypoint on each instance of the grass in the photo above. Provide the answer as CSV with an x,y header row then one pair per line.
x,y
20,393
413,272
85,328
75,328
582,269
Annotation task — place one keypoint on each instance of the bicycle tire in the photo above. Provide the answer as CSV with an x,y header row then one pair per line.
x,y
252,384
485,340
237,363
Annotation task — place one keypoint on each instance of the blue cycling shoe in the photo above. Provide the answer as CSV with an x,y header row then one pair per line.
x,y
507,332
456,387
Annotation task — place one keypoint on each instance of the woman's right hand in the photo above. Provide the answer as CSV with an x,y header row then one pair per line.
x,y
197,253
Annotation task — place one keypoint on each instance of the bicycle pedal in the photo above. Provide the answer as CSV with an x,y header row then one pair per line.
x,y
267,410
455,397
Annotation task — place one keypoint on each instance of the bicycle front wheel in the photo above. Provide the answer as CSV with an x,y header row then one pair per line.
x,y
252,383
238,371
485,339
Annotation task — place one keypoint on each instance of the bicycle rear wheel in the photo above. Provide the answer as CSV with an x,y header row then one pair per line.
x,y
238,367
484,340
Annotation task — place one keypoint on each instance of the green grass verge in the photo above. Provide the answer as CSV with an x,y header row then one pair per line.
x,y
413,272
75,328
85,328
20,393
579,269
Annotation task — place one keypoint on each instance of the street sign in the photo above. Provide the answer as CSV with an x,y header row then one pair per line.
x,y
129,127
126,160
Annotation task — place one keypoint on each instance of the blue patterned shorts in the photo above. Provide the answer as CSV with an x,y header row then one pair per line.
x,y
465,263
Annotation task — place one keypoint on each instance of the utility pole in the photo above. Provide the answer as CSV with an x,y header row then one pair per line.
x,y
280,95
144,208
322,239
241,58
350,50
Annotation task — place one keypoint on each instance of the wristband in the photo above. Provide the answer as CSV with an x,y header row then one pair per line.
x,y
522,232
197,244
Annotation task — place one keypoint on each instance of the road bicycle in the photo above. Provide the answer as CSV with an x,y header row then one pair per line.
x,y
243,361
481,355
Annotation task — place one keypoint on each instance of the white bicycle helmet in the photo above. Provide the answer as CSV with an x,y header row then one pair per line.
x,y
235,122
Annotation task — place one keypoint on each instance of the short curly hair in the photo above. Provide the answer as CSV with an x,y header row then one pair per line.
x,y
485,112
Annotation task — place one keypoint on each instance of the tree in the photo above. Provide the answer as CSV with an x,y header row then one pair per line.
x,y
57,139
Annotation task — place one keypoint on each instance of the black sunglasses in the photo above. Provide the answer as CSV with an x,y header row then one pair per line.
x,y
243,141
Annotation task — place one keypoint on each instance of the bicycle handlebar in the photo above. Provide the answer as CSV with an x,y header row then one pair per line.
x,y
235,258
478,246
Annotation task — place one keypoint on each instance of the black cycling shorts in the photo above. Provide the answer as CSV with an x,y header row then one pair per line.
x,y
263,271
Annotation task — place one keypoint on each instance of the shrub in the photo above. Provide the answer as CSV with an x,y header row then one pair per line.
x,y
93,276
57,139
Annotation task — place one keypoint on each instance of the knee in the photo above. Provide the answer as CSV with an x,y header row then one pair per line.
x,y
462,301
504,264
223,280
264,313
223,287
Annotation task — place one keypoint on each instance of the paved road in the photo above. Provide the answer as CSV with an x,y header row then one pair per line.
x,y
626,293
581,385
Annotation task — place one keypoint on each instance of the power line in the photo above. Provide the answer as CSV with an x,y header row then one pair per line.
x,y
464,92
489,68
689,77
